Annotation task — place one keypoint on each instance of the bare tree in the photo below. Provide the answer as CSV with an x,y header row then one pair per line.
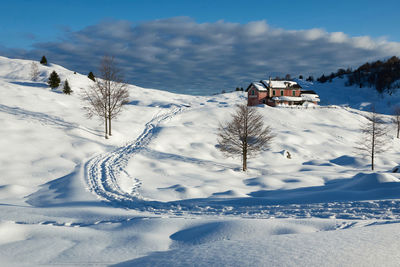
x,y
374,139
397,119
34,71
244,135
108,94
96,99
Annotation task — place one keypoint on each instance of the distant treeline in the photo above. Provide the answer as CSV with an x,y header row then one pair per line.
x,y
383,75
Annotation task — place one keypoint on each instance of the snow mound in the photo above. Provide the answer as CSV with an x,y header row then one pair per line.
x,y
396,169
370,181
10,232
235,230
347,161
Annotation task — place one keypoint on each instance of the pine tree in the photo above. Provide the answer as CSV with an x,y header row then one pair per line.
x,y
54,80
91,76
67,89
43,61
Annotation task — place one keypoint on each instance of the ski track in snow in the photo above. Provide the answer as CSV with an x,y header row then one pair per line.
x,y
102,170
101,174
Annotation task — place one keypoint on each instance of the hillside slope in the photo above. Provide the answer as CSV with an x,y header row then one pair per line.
x,y
336,93
159,184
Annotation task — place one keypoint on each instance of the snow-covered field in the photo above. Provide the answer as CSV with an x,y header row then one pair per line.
x,y
159,192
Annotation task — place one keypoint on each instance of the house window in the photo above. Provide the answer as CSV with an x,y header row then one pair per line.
x,y
273,92
281,92
252,92
294,93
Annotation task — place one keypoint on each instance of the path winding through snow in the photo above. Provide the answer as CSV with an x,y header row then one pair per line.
x,y
102,171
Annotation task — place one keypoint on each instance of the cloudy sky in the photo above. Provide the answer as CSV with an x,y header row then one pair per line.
x,y
202,47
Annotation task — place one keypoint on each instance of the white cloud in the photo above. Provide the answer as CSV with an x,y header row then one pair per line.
x,y
314,34
338,37
178,53
256,28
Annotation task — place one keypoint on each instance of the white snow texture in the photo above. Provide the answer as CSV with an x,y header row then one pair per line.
x,y
160,193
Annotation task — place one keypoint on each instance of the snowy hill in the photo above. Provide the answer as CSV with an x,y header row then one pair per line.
x,y
336,93
68,196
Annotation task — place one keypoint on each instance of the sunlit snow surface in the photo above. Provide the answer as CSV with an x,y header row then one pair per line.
x,y
159,192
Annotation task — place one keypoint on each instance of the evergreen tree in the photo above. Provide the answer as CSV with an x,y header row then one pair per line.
x,y
54,80
340,73
379,74
43,61
322,79
91,76
67,89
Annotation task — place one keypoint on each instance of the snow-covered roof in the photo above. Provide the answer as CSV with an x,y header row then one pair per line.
x,y
259,86
311,97
287,98
304,97
279,84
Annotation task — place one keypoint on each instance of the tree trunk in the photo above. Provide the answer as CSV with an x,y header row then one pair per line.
x,y
109,125
109,106
106,128
373,147
372,160
398,129
244,158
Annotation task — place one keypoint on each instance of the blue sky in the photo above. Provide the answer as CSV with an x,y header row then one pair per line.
x,y
58,29
25,22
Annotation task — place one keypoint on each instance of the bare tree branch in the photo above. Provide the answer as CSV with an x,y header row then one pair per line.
x,y
245,135
374,138
35,73
108,94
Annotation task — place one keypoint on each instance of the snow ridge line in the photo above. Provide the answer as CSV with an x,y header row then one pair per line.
x,y
101,172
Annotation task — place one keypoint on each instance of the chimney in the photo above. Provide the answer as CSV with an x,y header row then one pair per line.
x,y
270,86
